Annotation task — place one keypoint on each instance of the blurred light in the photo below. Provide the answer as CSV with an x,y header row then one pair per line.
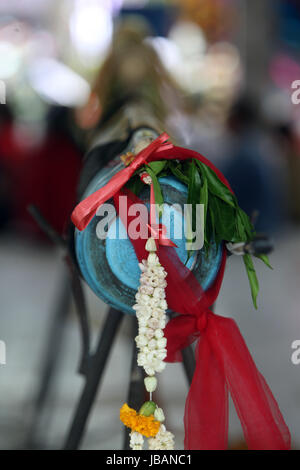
x,y
135,3
114,5
223,65
10,60
277,107
57,83
284,70
189,38
28,8
166,50
91,26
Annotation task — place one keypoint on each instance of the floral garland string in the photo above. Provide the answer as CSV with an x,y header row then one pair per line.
x,y
150,310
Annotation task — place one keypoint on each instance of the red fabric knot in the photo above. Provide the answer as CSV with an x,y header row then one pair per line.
x,y
202,322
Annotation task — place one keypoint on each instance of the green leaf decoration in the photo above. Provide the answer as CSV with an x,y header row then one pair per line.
x,y
264,259
204,200
252,278
157,191
216,186
248,227
194,189
135,185
223,218
157,167
176,169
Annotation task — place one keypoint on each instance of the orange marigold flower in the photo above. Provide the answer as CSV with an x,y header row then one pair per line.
x,y
145,425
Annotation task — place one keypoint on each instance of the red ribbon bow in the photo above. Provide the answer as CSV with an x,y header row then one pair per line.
x,y
223,361
86,209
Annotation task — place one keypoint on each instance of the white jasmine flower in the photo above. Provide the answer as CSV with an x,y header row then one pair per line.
x,y
150,383
153,260
152,344
161,367
158,292
148,290
159,333
159,414
161,343
149,371
136,440
149,333
164,440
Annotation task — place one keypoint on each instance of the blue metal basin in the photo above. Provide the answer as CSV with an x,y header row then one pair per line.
x,y
110,266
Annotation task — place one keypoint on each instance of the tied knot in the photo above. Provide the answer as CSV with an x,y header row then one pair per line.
x,y
127,158
202,322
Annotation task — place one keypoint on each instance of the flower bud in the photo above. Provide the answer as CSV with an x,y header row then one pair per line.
x,y
148,408
152,259
159,415
150,384
150,245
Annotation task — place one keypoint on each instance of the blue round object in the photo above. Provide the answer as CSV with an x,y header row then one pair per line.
x,y
110,266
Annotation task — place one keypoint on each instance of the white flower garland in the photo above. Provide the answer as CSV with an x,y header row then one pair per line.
x,y
150,310
151,307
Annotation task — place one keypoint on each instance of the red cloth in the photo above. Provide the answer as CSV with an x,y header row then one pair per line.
x,y
45,175
223,361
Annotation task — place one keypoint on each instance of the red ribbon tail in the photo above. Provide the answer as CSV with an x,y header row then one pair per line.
x,y
263,425
206,408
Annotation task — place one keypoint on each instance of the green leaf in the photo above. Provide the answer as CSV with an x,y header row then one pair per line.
x,y
252,278
224,219
248,226
215,185
157,191
264,259
194,190
212,221
135,185
204,200
157,167
176,169
240,233
204,197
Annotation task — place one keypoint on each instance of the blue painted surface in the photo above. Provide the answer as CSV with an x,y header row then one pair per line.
x,y
110,267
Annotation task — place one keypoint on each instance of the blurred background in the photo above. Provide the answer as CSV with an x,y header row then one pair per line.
x,y
218,74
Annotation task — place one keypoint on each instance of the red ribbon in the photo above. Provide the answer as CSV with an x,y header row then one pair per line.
x,y
223,361
86,209
157,231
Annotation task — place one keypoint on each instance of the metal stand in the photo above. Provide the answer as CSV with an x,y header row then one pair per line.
x,y
49,363
189,363
91,366
136,390
95,370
